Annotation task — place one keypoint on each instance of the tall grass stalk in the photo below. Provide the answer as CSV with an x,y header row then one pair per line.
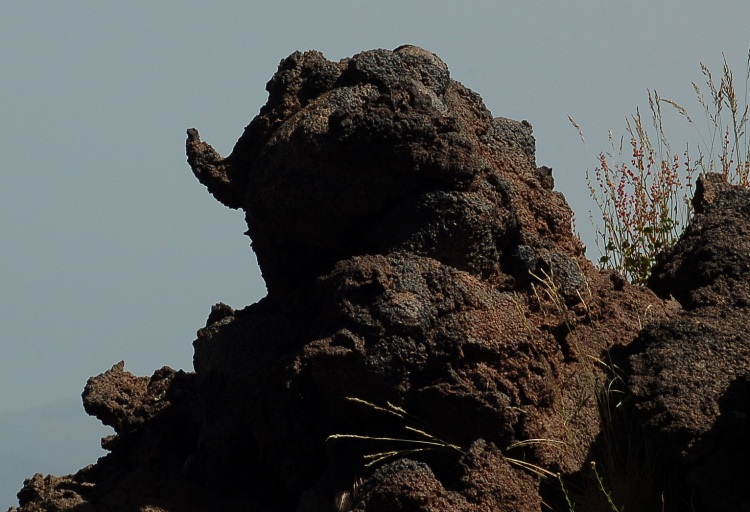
x,y
643,189
643,200
725,147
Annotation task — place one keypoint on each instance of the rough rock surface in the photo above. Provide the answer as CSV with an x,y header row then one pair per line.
x,y
381,153
424,286
690,375
155,421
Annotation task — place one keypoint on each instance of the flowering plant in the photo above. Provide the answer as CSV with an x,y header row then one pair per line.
x,y
644,197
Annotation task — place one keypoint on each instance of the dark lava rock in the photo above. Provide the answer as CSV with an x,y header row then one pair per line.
x,y
689,374
711,264
429,311
487,482
374,154
156,420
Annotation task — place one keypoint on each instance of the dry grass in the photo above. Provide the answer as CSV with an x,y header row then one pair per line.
x,y
642,197
623,469
425,442
643,192
725,148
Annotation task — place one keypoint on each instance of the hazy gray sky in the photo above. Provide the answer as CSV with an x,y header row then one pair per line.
x,y
109,247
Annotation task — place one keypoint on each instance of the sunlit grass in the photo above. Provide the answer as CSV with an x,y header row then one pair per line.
x,y
643,188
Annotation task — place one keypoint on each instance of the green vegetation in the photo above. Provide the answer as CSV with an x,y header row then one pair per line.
x,y
644,193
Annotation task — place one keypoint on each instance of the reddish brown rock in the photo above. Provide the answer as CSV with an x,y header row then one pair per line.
x,y
379,153
488,482
424,284
156,422
397,225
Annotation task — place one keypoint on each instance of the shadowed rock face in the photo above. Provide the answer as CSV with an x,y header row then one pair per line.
x,y
710,267
395,214
398,226
690,374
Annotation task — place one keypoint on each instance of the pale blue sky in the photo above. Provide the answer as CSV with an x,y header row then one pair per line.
x,y
109,247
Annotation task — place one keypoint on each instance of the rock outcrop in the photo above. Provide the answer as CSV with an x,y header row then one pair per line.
x,y
433,337
690,375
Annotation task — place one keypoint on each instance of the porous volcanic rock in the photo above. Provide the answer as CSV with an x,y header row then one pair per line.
x,y
488,482
427,300
155,420
690,374
379,153
398,225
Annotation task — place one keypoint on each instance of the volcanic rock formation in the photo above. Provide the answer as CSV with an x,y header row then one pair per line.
x,y
433,337
690,375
